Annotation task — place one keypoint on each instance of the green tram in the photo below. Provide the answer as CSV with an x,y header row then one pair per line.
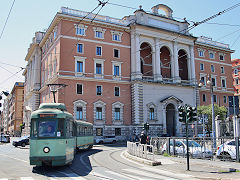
x,y
55,136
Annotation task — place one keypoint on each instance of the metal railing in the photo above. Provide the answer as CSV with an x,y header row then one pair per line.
x,y
201,148
141,150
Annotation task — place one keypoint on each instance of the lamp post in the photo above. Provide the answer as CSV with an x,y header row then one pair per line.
x,y
209,82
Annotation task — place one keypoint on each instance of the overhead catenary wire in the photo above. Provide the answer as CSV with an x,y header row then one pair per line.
x,y
7,19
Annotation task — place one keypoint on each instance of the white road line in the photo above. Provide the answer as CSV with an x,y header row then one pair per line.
x,y
150,175
168,173
117,174
14,158
132,161
4,179
26,178
101,176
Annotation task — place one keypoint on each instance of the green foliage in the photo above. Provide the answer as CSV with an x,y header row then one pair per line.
x,y
221,111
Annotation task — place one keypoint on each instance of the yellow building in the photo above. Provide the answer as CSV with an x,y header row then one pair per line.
x,y
16,109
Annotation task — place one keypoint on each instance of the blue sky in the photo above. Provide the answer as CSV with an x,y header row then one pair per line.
x,y
29,16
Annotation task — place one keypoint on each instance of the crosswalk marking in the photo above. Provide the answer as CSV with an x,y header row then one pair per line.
x,y
149,175
26,178
117,174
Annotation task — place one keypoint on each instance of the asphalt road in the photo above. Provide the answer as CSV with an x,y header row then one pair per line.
x,y
101,162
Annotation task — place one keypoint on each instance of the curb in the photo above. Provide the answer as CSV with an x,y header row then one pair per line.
x,y
141,160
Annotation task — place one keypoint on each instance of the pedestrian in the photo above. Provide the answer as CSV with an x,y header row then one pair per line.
x,y
143,138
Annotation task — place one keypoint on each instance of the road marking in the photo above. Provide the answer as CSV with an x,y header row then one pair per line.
x,y
117,174
14,158
26,178
72,175
149,175
132,161
101,176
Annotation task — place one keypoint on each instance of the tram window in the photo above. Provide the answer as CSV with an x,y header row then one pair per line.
x,y
46,128
85,131
34,128
71,129
60,131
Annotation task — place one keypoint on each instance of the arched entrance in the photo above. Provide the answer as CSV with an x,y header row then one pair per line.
x,y
146,59
170,120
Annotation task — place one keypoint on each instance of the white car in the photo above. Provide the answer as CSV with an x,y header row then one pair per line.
x,y
227,150
105,139
195,149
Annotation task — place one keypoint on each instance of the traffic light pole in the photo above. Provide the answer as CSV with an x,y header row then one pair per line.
x,y
187,146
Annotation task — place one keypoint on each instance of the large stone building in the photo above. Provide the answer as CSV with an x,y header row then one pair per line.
x,y
162,70
16,99
213,62
122,73
92,58
32,80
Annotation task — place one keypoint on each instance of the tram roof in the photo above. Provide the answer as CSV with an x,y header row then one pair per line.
x,y
59,106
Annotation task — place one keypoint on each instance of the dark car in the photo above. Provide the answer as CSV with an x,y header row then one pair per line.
x,y
23,141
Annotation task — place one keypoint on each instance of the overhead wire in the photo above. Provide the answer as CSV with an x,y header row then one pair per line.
x,y
7,19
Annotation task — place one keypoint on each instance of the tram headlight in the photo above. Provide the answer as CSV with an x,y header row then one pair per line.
x,y
46,149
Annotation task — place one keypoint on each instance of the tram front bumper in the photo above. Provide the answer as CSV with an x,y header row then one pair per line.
x,y
49,160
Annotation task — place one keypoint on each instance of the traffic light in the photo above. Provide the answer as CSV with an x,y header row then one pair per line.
x,y
182,114
191,114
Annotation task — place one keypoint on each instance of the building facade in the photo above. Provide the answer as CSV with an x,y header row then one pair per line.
x,y
16,99
32,80
162,70
236,76
5,113
91,56
213,62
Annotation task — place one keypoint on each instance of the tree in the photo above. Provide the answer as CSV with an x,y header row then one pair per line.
x,y
221,111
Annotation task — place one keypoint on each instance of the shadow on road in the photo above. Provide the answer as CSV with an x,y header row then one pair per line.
x,y
81,166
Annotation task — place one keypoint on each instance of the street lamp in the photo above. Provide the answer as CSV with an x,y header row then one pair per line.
x,y
209,82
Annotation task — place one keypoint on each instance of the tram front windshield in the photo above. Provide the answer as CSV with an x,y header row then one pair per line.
x,y
47,128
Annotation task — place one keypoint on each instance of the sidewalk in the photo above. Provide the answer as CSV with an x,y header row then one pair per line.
x,y
199,169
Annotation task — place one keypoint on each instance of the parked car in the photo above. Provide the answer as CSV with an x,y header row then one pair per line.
x,y
227,150
106,139
23,141
195,149
5,138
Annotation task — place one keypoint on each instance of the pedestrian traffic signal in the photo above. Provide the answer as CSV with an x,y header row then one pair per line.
x,y
182,114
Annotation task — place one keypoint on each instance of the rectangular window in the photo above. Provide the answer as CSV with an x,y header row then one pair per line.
x,y
79,114
222,70
99,113
116,53
221,57
224,99
151,113
202,79
117,91
98,68
116,37
213,81
99,131
79,66
117,131
223,83
200,53
79,89
202,67
80,48
116,70
211,55
236,71
98,34
212,68
214,98
204,97
80,31
99,90
117,114
98,51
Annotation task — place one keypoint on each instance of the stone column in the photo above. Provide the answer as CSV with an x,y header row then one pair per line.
x,y
164,120
138,61
192,63
157,74
177,79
